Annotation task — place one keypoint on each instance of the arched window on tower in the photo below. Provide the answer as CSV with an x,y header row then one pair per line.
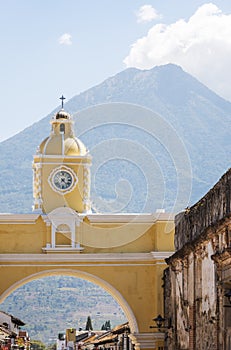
x,y
62,128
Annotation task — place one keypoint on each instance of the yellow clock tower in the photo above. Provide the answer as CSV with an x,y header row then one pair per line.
x,y
124,253
62,169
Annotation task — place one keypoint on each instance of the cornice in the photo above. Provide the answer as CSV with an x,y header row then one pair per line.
x,y
222,258
18,218
146,340
135,258
130,217
161,255
93,218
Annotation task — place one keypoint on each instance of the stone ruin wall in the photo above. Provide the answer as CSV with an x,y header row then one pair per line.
x,y
208,211
191,300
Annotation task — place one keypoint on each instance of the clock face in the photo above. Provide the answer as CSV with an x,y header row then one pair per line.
x,y
62,180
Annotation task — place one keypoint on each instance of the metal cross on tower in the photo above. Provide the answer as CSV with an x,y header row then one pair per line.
x,y
62,98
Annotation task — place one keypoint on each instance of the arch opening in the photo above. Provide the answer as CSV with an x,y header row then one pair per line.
x,y
103,285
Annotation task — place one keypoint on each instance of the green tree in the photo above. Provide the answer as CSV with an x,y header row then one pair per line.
x,y
89,324
106,326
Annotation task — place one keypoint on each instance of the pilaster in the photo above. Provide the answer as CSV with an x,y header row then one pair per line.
x,y
143,341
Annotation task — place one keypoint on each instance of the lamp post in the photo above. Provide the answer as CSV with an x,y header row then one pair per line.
x,y
160,323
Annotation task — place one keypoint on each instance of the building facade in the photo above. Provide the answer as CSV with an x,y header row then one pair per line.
x,y
198,279
11,336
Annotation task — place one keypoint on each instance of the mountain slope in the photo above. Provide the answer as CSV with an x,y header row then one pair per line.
x,y
119,116
51,304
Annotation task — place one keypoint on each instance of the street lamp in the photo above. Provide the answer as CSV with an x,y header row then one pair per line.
x,y
159,320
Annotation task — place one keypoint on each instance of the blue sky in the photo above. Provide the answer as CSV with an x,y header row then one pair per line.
x,y
55,47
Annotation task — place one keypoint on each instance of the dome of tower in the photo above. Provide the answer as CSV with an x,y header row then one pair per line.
x,y
62,141
54,145
73,146
41,146
62,115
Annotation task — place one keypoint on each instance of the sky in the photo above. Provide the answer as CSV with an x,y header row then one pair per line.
x,y
55,47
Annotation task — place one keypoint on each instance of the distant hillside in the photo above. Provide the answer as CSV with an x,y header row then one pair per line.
x,y
50,305
119,122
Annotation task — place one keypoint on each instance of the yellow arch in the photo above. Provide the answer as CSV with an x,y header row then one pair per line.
x,y
84,275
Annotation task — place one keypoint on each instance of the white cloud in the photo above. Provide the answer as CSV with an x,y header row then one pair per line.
x,y
146,13
65,39
201,46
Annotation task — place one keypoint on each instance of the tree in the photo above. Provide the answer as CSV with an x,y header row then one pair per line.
x,y
106,326
89,324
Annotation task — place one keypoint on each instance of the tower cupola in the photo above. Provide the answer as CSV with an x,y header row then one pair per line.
x,y
61,168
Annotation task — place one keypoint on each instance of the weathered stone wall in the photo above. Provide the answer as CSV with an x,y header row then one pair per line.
x,y
191,300
213,207
199,274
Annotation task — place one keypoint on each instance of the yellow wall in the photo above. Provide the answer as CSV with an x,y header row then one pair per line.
x,y
95,238
136,282
128,258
